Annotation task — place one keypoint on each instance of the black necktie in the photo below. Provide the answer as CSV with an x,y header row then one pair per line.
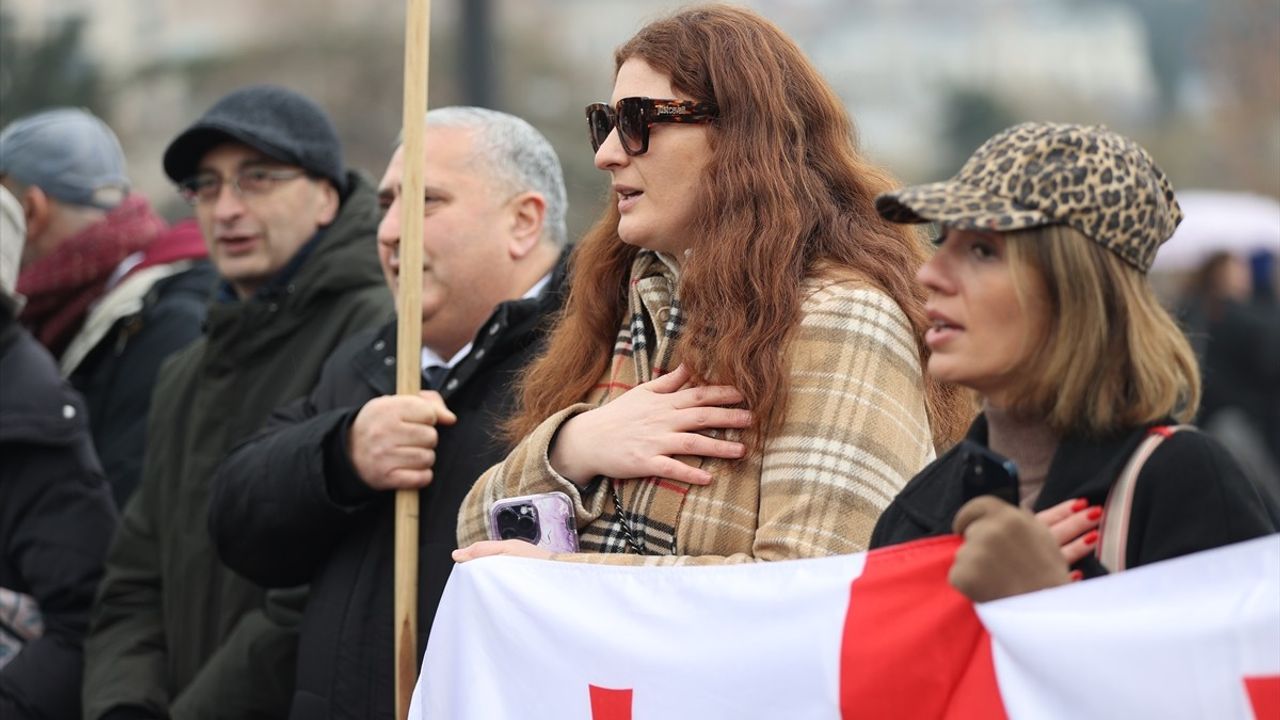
x,y
433,376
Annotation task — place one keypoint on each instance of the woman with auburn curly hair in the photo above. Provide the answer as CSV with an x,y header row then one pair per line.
x,y
1039,301
738,371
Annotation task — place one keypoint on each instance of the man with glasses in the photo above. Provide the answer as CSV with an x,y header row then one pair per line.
x,y
291,233
311,498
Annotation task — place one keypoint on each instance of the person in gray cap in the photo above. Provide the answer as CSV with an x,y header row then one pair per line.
x,y
67,170
56,515
291,233
109,290
1039,302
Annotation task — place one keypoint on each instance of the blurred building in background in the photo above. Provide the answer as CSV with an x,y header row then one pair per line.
x,y
1195,81
925,80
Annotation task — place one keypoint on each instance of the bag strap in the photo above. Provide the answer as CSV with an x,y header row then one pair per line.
x,y
1114,530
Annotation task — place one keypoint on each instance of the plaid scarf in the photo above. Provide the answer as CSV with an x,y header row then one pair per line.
x,y
853,432
645,511
61,286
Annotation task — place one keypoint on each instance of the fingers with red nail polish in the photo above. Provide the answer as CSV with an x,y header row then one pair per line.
x,y
1070,523
1062,511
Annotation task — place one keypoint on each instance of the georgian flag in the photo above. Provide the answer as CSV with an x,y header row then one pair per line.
x,y
875,635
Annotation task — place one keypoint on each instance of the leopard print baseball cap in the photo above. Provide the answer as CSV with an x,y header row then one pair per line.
x,y
1086,176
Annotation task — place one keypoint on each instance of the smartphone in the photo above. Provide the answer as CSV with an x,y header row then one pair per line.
x,y
988,473
545,520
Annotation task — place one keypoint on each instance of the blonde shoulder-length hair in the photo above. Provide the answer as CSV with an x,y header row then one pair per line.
x,y
1108,357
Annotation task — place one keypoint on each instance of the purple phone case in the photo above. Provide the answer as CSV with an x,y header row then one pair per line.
x,y
557,531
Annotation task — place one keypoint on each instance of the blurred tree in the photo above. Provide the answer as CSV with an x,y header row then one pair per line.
x,y
1176,30
970,116
1243,56
45,71
541,83
475,56
356,76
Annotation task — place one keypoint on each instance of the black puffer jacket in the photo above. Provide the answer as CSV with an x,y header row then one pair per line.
x,y
288,508
56,518
1190,495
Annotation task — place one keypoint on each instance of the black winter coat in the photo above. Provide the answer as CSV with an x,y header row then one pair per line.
x,y
1190,495
288,508
117,377
56,518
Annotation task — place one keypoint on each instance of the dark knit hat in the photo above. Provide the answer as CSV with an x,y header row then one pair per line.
x,y
1086,176
273,120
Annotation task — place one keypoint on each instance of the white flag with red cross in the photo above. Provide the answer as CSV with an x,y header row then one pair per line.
x,y
874,635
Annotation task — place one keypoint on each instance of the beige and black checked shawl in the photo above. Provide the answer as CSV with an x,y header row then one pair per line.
x,y
853,432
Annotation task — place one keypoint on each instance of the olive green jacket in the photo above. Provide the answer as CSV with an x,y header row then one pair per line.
x,y
174,631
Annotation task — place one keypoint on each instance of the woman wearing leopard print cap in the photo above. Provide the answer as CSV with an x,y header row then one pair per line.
x,y
740,264
1039,301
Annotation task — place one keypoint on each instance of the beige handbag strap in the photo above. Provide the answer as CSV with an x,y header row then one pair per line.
x,y
1114,530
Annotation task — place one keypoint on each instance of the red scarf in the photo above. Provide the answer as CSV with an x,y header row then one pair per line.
x,y
61,286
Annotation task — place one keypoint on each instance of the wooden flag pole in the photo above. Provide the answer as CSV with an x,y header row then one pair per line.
x,y
417,38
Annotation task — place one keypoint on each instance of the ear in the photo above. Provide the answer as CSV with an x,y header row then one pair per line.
x,y
36,211
527,211
328,204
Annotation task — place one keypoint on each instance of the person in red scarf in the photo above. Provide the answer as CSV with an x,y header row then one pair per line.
x,y
110,289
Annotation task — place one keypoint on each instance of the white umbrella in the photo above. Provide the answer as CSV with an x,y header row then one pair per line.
x,y
1240,223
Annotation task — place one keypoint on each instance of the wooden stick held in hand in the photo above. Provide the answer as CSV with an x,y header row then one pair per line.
x,y
417,37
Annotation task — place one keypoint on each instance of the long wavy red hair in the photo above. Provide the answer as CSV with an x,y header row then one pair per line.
x,y
790,195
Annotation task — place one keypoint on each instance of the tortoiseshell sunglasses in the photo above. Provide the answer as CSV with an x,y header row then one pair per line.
x,y
635,115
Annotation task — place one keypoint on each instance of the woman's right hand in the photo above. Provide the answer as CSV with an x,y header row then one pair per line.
x,y
1073,524
639,433
1007,551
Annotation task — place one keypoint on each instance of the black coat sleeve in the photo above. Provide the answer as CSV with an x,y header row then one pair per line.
x,y
63,520
1192,496
270,514
282,500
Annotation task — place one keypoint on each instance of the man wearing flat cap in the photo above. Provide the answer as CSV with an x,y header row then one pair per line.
x,y
175,633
